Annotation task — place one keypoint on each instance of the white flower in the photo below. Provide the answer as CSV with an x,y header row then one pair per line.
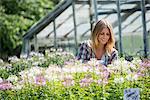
x,y
17,87
1,80
48,77
36,71
66,70
35,63
93,62
132,77
136,61
12,78
119,80
129,77
1,61
13,59
135,77
23,56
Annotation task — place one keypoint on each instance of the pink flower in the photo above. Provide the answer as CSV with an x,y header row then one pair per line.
x,y
139,74
68,81
99,81
5,85
105,81
69,63
105,74
40,80
145,63
86,82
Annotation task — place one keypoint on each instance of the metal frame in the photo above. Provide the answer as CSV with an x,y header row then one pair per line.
x,y
145,34
119,27
34,30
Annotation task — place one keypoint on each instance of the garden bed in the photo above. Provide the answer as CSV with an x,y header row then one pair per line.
x,y
58,75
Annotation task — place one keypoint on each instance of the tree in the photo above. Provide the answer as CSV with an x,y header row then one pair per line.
x,y
16,17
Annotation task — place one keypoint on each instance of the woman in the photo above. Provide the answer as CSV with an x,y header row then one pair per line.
x,y
101,46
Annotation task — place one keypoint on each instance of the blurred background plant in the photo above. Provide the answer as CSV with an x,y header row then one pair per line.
x,y
16,17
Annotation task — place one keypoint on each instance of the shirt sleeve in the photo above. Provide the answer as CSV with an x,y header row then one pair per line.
x,y
114,56
83,53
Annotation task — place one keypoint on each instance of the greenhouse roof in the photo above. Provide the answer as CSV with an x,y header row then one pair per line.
x,y
131,20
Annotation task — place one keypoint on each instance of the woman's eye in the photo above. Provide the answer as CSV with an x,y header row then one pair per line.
x,y
107,34
101,33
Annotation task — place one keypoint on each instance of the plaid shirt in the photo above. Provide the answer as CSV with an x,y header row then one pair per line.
x,y
85,53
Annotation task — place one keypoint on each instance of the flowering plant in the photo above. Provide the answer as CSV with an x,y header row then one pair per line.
x,y
73,80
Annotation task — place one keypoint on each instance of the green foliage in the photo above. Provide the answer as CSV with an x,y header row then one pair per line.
x,y
14,69
55,90
16,17
75,80
4,73
56,58
18,65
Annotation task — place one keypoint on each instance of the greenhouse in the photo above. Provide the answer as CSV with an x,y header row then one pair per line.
x,y
70,23
48,66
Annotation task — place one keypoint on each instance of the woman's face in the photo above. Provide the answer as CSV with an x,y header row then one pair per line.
x,y
104,36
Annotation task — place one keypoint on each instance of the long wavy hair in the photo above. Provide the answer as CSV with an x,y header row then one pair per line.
x,y
103,23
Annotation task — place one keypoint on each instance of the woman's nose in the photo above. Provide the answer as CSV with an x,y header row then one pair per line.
x,y
105,35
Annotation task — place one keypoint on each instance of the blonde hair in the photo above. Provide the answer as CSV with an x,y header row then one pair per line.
x,y
103,23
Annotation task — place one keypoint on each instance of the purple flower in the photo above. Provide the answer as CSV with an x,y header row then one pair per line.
x,y
5,85
105,74
69,63
68,83
99,81
86,82
139,74
145,63
40,80
104,81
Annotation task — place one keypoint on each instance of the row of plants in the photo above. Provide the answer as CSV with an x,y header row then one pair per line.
x,y
58,75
